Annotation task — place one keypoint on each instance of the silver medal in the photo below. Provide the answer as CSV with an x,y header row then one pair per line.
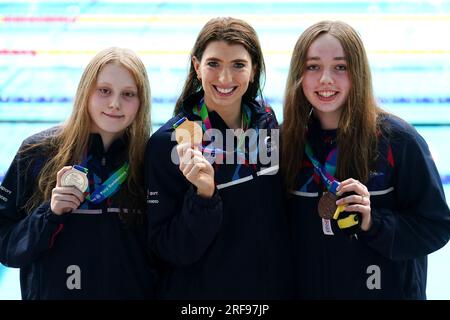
x,y
76,178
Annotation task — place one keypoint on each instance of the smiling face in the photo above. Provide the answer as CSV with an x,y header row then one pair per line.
x,y
326,82
114,102
225,72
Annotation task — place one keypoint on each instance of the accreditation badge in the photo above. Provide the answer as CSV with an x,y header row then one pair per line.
x,y
76,178
327,205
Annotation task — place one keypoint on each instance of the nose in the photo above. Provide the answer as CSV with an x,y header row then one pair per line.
x,y
326,77
225,76
115,102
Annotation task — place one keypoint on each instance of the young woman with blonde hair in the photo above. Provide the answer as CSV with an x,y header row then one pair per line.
x,y
71,212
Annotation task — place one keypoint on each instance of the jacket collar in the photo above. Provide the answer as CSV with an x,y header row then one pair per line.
x,y
95,146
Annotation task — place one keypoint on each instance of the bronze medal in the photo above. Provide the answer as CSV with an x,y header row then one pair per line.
x,y
327,205
76,178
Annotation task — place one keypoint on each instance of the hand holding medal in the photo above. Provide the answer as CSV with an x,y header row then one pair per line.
x,y
193,164
340,207
77,177
328,209
67,194
355,200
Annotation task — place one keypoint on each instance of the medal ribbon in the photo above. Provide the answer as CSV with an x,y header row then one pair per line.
x,y
201,110
325,175
108,187
81,168
349,224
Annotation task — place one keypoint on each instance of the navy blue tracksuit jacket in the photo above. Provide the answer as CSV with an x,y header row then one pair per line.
x,y
410,219
232,246
92,242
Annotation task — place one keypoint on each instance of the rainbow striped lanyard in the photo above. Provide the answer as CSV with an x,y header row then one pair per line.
x,y
109,186
326,171
202,111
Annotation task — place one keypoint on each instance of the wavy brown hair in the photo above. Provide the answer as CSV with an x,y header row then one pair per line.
x,y
69,143
232,31
358,124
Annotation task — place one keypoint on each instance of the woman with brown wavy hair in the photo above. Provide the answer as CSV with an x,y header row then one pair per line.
x,y
71,214
366,202
215,213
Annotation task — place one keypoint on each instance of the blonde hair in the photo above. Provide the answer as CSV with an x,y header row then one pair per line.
x,y
71,141
358,127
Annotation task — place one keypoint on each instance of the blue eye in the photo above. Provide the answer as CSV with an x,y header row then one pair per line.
x,y
239,65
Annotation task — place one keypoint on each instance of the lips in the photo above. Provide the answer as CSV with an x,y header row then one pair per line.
x,y
326,95
112,116
224,91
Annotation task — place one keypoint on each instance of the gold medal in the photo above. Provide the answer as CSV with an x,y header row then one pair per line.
x,y
327,205
189,132
76,178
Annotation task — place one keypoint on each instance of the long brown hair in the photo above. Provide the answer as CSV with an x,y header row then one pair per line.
x,y
232,31
70,142
357,134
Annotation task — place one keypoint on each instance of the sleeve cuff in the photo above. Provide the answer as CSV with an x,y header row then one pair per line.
x,y
375,227
49,214
203,202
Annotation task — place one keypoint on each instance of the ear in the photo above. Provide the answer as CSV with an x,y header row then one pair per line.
x,y
196,64
300,80
252,75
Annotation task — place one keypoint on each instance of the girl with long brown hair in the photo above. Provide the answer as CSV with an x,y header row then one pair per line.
x,y
366,202
216,223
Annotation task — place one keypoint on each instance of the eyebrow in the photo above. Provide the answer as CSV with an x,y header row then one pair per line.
x,y
318,58
109,84
233,61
